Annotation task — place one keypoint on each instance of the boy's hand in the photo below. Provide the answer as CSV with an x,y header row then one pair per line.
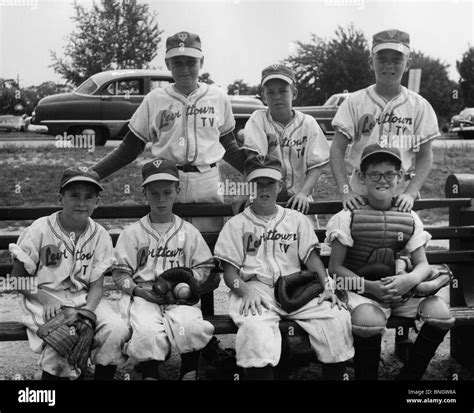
x,y
351,201
254,301
51,309
299,202
382,292
404,202
402,283
328,295
240,203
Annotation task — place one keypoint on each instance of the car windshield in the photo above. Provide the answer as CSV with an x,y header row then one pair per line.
x,y
88,87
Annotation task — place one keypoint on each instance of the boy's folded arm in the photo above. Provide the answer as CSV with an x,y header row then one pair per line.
x,y
122,276
421,268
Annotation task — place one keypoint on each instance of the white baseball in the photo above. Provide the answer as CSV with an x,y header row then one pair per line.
x,y
182,291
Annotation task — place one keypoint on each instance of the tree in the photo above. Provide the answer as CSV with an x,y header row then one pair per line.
x,y
435,85
323,67
465,68
239,87
205,78
121,34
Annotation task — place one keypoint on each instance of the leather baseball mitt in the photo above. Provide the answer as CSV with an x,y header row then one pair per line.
x,y
70,333
163,287
295,290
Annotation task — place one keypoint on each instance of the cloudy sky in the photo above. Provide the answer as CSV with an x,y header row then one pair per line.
x,y
239,37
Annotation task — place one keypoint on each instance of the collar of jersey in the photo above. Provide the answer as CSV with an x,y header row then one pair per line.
x,y
381,100
256,219
63,231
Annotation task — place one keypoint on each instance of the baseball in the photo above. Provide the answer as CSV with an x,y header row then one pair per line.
x,y
182,291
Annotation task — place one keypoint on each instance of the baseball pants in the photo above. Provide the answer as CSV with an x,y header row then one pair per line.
x,y
155,328
258,340
110,334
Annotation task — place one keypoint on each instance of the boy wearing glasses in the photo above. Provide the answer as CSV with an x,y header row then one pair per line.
x,y
369,238
388,114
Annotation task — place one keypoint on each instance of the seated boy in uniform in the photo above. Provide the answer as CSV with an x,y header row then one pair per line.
x,y
256,248
366,244
145,250
67,254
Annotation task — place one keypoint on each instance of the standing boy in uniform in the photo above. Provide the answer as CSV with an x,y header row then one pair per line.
x,y
372,235
295,138
187,122
145,249
258,246
67,254
388,114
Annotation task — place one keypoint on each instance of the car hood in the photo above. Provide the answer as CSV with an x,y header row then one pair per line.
x,y
60,97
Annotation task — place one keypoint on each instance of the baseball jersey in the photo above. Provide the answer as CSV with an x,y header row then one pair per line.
x,y
300,145
146,253
266,250
405,122
48,252
184,129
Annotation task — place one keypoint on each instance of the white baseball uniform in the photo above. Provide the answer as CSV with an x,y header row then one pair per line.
x,y
405,122
339,227
64,268
186,130
262,252
300,145
143,253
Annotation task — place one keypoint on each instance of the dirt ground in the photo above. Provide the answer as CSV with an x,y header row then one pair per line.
x,y
18,362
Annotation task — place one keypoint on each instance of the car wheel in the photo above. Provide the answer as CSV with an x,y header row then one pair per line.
x,y
466,135
100,135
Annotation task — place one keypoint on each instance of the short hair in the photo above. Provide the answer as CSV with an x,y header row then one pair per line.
x,y
292,86
378,158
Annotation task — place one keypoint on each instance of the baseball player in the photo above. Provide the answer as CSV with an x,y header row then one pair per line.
x,y
258,246
145,249
67,253
363,239
385,113
295,138
188,122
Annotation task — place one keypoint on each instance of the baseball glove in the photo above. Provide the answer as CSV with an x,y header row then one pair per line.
x,y
163,287
70,333
295,290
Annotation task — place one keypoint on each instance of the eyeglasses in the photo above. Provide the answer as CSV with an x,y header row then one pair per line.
x,y
376,176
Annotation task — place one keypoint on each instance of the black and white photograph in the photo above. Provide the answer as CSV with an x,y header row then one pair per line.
x,y
272,198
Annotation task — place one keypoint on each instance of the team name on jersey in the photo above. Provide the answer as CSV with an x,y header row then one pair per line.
x,y
51,255
367,122
160,252
252,242
167,117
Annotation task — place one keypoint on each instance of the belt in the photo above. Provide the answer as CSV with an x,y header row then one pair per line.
x,y
191,168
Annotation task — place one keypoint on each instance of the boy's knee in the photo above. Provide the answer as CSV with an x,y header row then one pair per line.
x,y
368,320
434,311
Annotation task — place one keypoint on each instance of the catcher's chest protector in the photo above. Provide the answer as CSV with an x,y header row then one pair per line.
x,y
378,236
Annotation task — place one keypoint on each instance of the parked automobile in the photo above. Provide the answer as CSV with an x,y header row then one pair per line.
x,y
463,123
11,123
104,104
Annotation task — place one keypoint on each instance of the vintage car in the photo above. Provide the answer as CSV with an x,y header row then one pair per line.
x,y
104,104
11,123
463,123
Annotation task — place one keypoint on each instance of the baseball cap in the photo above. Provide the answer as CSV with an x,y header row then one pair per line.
x,y
159,170
278,71
183,44
391,39
376,148
80,174
258,166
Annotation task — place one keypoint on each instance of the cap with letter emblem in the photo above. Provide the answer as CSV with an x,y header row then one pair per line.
x,y
80,174
391,39
183,44
159,170
266,166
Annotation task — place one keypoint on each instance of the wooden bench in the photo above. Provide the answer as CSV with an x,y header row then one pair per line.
x,y
459,256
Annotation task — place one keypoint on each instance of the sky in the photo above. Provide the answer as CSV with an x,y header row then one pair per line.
x,y
239,37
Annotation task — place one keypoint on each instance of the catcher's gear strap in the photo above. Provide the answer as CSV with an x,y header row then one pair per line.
x,y
374,230
295,290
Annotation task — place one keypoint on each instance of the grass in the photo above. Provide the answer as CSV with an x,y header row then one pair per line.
x,y
30,176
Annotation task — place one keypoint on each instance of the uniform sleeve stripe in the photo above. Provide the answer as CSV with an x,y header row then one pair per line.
x,y
431,137
228,260
319,164
137,134
310,250
227,131
341,129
